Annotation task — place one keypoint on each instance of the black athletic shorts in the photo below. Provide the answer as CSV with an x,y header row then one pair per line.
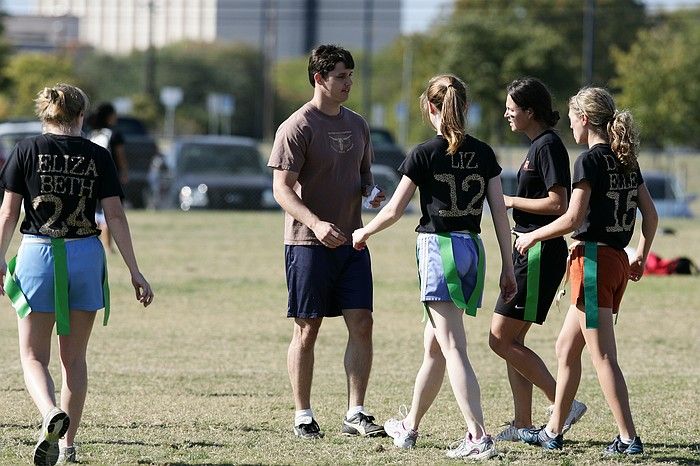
x,y
552,269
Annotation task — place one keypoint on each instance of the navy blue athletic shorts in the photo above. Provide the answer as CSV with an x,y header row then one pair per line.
x,y
323,281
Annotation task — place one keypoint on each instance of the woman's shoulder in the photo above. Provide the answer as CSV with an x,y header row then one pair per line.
x,y
474,144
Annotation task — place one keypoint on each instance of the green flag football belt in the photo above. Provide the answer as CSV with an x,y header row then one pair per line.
x,y
534,256
454,284
60,286
532,296
590,279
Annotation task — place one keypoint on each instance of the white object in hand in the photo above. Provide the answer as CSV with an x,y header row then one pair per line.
x,y
367,202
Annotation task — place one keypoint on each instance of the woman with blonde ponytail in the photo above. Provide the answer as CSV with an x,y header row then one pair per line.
x,y
608,188
455,173
59,275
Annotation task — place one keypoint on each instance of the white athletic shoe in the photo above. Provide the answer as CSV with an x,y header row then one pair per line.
x,y
576,412
471,450
53,428
403,437
509,434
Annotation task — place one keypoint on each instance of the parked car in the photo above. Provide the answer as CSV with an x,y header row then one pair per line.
x,y
665,189
386,151
211,172
509,181
668,195
12,132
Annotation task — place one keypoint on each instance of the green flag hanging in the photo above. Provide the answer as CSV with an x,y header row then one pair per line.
x,y
590,283
454,284
534,255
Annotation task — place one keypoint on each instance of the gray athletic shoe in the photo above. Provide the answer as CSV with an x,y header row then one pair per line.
x,y
576,412
362,424
67,455
308,431
471,450
509,434
403,437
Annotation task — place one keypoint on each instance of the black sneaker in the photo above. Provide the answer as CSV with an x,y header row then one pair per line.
x,y
618,447
363,425
540,437
308,431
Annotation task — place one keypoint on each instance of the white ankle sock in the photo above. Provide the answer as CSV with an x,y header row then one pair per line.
x,y
626,441
549,433
354,410
303,416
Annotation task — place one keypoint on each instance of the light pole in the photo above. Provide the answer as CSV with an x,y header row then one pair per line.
x,y
150,58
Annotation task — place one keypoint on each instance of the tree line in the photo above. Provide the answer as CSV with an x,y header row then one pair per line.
x,y
649,61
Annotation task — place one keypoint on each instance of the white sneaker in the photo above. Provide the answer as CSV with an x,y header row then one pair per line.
x,y
576,412
403,437
509,434
469,449
53,428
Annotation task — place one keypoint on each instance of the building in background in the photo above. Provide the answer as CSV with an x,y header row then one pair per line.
x,y
290,27
32,33
122,26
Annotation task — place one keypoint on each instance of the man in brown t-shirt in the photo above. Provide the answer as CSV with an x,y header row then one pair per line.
x,y
321,159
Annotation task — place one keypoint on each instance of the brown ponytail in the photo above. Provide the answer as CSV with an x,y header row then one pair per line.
x,y
449,95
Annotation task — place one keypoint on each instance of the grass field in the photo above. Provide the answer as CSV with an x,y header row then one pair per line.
x,y
200,377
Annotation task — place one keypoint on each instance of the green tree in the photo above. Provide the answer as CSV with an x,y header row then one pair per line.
x,y
488,49
660,81
197,68
29,73
616,24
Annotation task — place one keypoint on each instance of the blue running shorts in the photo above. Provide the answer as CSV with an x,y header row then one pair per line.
x,y
322,282
86,263
431,273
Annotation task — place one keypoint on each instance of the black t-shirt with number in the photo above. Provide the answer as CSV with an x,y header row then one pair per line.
x,y
452,187
61,179
612,210
546,165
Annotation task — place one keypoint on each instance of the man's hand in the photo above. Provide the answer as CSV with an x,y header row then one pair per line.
x,y
328,234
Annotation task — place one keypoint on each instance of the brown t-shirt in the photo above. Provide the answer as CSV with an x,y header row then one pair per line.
x,y
332,155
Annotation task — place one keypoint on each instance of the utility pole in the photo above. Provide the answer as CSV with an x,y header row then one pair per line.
x,y
150,65
367,61
588,43
269,51
406,78
311,24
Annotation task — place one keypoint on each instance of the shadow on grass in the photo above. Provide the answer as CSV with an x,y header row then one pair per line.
x,y
20,426
218,464
653,452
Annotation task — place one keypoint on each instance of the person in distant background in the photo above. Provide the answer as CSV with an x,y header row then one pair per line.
x,y
102,133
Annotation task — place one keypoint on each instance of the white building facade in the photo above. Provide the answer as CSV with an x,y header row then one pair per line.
x,y
293,26
122,26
